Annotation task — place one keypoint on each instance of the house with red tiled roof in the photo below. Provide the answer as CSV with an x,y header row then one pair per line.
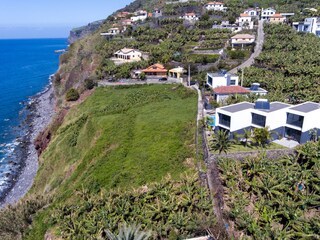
x,y
223,92
191,16
156,70
216,6
245,21
277,18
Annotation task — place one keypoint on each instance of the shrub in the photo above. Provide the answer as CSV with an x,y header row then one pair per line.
x,y
89,84
72,95
236,54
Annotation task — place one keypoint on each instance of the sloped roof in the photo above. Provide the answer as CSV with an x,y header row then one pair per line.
x,y
277,15
215,3
178,70
126,50
155,68
244,15
230,90
190,14
243,36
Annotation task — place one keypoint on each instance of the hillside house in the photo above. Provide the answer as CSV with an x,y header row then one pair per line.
x,y
267,13
242,40
253,12
220,94
190,16
245,21
277,18
127,55
222,79
157,12
310,25
139,16
126,22
293,122
216,6
176,74
155,71
120,15
111,32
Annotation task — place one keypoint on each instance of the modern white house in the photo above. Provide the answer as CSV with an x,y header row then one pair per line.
x,y
253,12
128,55
245,21
284,120
139,16
190,16
310,25
267,13
222,79
242,40
111,32
216,6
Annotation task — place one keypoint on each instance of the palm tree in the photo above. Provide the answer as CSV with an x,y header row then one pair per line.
x,y
246,135
221,141
128,232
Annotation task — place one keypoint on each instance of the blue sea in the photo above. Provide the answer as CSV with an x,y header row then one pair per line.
x,y
25,67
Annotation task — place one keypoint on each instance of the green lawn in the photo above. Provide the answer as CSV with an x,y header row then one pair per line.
x,y
249,148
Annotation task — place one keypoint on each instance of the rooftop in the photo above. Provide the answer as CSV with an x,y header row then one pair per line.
x,y
277,15
220,74
238,107
215,3
306,107
275,106
244,15
243,36
230,90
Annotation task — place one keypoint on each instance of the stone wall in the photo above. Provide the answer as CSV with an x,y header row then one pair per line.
x,y
270,154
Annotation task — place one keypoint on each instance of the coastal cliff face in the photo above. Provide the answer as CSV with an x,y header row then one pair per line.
x,y
81,32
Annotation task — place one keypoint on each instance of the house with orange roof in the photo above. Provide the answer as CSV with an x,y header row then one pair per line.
x,y
216,6
277,18
156,70
242,40
220,94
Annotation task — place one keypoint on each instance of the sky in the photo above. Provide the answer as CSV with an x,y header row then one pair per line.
x,y
51,18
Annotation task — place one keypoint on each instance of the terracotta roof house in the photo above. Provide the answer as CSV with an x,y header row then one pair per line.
x,y
277,18
245,21
223,92
191,16
156,70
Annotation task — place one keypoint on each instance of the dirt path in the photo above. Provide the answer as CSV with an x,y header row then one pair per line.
x,y
257,50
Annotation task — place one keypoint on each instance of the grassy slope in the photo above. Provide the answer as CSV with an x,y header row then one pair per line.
x,y
122,137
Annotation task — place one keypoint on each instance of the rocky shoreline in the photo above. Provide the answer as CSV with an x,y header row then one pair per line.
x,y
41,111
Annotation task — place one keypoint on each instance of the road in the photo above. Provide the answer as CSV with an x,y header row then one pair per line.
x,y
257,50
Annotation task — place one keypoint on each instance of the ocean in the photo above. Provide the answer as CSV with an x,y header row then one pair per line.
x,y
25,67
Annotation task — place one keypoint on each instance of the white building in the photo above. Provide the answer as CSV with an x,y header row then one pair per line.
x,y
245,21
216,6
139,16
252,12
294,122
111,32
242,40
267,13
128,54
190,16
222,79
310,25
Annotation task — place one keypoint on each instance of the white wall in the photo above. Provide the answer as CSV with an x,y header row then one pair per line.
x,y
239,120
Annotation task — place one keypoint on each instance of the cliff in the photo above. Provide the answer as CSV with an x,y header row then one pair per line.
x,y
81,32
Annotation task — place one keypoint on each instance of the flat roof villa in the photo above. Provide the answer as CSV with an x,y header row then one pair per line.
x,y
222,79
285,120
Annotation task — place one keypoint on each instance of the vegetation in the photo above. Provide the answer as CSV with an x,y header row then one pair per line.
x,y
221,141
129,233
108,142
288,66
72,95
169,208
274,199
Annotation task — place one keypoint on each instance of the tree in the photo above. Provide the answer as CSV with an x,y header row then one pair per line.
x,y
142,76
221,141
261,136
72,95
89,84
246,135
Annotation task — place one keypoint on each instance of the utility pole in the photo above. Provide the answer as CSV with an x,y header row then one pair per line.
x,y
242,77
189,77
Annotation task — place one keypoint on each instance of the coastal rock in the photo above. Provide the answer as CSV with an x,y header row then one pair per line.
x,y
81,32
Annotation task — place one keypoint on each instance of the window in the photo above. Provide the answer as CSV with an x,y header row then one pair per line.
x,y
295,120
209,80
232,82
258,120
224,120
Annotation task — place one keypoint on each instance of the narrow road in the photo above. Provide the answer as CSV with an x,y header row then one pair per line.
x,y
257,50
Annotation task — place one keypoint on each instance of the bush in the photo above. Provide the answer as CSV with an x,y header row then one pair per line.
x,y
72,95
89,84
236,54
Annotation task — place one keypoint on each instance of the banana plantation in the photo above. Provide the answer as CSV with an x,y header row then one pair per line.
x,y
273,199
170,209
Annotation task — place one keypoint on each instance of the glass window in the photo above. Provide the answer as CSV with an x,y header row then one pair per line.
x,y
258,120
295,120
224,120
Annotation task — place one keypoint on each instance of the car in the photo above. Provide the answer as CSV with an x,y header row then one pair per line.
x,y
163,79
